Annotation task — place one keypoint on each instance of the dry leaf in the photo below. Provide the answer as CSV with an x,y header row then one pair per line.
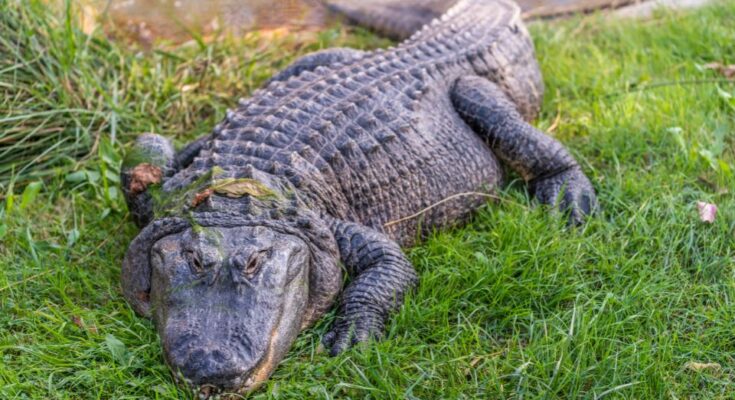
x,y
200,197
81,325
728,71
232,187
707,211
77,321
143,175
698,366
468,371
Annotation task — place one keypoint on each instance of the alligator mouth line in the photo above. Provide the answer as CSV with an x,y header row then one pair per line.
x,y
251,381
264,369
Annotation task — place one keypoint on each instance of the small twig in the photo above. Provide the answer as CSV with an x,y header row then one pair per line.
x,y
450,198
669,83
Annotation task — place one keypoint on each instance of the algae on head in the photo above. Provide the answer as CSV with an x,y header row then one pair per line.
x,y
143,155
184,199
178,201
239,187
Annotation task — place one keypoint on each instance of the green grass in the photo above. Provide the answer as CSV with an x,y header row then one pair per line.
x,y
514,305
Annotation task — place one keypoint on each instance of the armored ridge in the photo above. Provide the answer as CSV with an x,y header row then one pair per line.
x,y
336,162
354,137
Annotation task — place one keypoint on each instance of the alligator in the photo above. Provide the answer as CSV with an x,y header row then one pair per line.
x,y
330,169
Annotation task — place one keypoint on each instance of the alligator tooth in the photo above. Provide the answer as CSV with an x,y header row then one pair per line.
x,y
249,382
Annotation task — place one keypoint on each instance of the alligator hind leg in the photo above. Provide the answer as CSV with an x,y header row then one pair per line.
x,y
551,172
151,159
381,276
317,59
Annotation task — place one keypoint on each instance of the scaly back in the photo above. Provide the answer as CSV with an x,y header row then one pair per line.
x,y
488,33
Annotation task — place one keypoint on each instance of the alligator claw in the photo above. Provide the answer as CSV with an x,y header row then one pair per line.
x,y
571,190
349,332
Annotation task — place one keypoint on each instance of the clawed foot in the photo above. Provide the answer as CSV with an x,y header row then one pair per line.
x,y
350,331
571,190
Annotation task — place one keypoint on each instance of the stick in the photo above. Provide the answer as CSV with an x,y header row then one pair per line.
x,y
452,197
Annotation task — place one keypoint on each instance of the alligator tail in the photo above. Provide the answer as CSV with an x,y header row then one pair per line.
x,y
396,19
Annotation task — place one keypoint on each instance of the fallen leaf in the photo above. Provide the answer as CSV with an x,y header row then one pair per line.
x,y
233,187
201,196
78,322
698,366
728,71
143,175
707,211
468,371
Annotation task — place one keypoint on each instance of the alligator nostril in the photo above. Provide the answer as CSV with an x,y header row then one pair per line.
x,y
213,367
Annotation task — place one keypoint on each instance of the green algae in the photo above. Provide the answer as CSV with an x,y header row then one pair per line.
x,y
143,155
181,201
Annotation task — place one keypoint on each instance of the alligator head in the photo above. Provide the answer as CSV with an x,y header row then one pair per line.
x,y
229,294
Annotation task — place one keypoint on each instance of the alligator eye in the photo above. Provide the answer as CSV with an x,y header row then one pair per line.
x,y
253,266
195,261
248,266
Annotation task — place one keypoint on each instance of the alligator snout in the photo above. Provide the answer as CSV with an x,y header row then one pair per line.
x,y
229,302
218,367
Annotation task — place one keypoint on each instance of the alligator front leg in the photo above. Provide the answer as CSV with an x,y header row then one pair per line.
x,y
317,59
551,172
381,276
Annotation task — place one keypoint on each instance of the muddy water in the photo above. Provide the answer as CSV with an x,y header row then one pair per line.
x,y
147,20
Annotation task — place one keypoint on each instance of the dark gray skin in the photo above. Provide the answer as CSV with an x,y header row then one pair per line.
x,y
337,162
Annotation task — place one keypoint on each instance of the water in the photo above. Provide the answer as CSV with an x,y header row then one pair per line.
x,y
146,20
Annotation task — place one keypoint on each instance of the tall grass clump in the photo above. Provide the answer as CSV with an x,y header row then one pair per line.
x,y
62,90
55,95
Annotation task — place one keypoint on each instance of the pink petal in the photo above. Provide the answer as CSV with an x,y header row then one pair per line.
x,y
707,211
